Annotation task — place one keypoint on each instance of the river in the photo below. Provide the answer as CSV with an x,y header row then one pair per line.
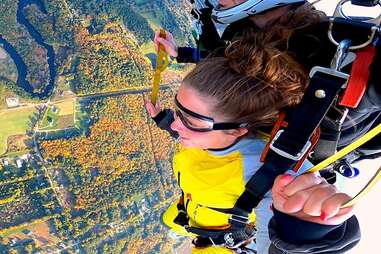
x,y
21,66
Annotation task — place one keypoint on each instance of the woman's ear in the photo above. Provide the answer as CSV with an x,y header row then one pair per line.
x,y
238,132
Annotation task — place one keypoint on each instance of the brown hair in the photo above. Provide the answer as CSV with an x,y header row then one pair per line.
x,y
251,84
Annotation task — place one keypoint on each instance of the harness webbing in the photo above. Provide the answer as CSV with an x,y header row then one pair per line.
x,y
292,141
359,78
365,2
235,234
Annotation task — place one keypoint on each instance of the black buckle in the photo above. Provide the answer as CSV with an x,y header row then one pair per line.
x,y
367,3
285,154
238,218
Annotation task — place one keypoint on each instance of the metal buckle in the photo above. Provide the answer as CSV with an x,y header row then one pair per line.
x,y
336,63
239,218
340,14
296,157
230,242
329,71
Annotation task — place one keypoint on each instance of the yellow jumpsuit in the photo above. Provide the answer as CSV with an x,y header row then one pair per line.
x,y
212,178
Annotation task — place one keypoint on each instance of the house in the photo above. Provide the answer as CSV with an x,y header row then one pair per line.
x,y
19,162
12,102
54,109
5,162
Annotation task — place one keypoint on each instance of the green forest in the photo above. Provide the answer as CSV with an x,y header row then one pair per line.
x,y
83,169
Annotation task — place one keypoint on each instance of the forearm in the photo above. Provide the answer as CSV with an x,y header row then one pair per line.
x,y
190,55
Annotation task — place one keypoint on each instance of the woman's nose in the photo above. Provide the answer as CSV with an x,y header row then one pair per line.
x,y
177,125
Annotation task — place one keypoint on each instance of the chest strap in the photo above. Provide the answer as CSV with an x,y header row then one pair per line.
x,y
238,232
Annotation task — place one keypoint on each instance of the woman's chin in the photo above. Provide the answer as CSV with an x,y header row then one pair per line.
x,y
186,142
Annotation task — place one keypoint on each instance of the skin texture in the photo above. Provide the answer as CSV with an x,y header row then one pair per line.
x,y
310,198
195,102
230,3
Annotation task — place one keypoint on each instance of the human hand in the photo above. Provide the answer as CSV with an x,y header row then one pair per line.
x,y
310,198
168,42
152,110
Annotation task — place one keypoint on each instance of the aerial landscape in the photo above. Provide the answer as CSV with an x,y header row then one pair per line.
x,y
83,169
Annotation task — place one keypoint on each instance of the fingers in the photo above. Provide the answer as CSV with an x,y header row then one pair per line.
x,y
279,198
169,46
297,201
281,182
155,42
331,213
331,206
310,198
317,197
152,110
302,182
168,42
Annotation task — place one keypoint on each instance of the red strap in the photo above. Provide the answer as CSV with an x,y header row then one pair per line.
x,y
358,80
280,123
277,125
314,139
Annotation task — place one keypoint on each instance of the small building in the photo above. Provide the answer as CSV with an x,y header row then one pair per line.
x,y
54,109
62,245
13,242
12,102
5,162
19,162
27,232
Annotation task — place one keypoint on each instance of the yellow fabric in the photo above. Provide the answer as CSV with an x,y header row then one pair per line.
x,y
168,217
209,181
212,250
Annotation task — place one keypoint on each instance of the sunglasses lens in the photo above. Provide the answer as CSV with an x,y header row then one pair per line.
x,y
193,123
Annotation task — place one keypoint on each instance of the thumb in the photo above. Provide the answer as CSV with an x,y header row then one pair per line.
x,y
279,198
281,182
158,105
149,107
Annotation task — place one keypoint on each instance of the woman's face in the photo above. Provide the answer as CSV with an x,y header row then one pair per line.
x,y
229,3
193,101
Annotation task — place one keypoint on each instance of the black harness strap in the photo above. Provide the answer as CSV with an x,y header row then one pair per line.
x,y
290,145
368,3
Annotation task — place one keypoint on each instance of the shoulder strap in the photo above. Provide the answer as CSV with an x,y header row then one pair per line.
x,y
291,143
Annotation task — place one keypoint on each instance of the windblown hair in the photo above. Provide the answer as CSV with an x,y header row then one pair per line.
x,y
251,84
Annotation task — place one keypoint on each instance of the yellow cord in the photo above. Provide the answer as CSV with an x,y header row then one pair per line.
x,y
372,182
162,61
368,136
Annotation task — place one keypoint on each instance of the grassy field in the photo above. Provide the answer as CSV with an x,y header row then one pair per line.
x,y
13,122
64,108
